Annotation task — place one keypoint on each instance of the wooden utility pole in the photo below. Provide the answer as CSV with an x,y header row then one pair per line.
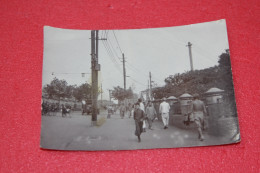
x,y
95,68
110,95
191,61
150,77
124,73
101,92
148,91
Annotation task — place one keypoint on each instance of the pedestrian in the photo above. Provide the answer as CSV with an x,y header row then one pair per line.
x,y
150,113
109,111
129,109
138,117
198,110
143,109
63,110
122,111
132,110
164,110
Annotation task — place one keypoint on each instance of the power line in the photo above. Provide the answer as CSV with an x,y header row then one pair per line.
x,y
111,57
117,42
109,42
110,54
136,70
140,83
53,73
108,46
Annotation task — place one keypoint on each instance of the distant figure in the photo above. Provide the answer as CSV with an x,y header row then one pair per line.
x,y
129,110
132,109
143,109
122,111
63,110
164,110
109,111
138,117
151,114
199,109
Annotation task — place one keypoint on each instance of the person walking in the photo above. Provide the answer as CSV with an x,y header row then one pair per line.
x,y
138,117
122,111
63,111
129,109
198,110
164,110
143,109
109,111
151,114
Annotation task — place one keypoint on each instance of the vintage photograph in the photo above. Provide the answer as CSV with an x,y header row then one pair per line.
x,y
132,89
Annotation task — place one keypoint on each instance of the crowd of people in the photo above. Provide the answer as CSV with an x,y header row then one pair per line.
x,y
51,109
145,114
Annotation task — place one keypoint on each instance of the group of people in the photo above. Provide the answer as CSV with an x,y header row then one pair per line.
x,y
144,115
148,114
124,110
52,108
49,108
65,110
198,111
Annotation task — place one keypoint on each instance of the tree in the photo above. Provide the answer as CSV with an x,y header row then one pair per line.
x,y
120,94
58,88
82,92
199,81
225,71
174,79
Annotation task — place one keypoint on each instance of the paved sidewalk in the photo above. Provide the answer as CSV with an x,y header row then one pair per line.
x,y
76,133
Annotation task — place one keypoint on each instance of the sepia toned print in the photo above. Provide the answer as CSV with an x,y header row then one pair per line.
x,y
138,88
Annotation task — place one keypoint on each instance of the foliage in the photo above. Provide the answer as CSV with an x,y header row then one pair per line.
x,y
60,89
198,81
82,92
120,94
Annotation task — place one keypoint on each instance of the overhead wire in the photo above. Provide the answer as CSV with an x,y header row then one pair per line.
x,y
110,53
109,43
112,49
117,42
108,46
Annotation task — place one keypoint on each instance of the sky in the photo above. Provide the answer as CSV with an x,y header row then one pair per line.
x,y
161,51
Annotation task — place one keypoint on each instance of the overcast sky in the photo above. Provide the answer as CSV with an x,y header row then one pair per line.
x,y
162,51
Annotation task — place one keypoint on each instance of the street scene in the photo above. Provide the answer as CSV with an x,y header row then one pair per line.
x,y
138,89
75,132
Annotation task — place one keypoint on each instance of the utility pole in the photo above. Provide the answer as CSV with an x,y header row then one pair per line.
x,y
101,92
148,91
124,73
150,76
191,62
110,95
95,68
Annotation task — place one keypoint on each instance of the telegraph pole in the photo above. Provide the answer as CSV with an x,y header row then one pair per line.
x,y
124,73
110,95
95,68
191,62
148,93
150,76
101,92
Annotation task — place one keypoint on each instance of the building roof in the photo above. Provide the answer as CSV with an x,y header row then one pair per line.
x,y
186,95
171,98
214,90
